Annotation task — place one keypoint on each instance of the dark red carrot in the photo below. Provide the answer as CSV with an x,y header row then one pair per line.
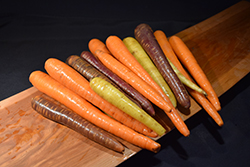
x,y
145,36
144,102
44,83
90,72
55,111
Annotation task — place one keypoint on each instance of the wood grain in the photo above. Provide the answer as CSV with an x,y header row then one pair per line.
x,y
221,45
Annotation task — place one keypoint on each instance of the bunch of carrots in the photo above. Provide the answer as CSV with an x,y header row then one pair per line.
x,y
113,89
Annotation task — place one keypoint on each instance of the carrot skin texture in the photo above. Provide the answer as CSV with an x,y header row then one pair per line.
x,y
141,56
189,61
74,81
117,98
200,98
144,35
55,111
144,102
89,72
54,89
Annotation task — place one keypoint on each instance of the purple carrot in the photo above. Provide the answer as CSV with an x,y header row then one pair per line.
x,y
144,35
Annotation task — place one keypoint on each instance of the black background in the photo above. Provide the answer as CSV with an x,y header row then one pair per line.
x,y
31,32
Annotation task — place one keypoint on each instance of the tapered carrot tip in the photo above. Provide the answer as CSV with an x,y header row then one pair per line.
x,y
153,134
186,104
119,148
186,133
219,122
217,107
157,148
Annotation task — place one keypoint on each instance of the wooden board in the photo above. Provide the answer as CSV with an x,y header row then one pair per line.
x,y
221,45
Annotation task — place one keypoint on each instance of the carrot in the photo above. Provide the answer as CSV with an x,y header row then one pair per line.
x,y
141,56
74,81
56,112
118,99
54,89
120,51
89,72
144,102
189,61
144,35
131,78
200,98
96,44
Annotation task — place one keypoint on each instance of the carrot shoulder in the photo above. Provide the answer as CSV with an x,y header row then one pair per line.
x,y
54,89
189,61
74,81
119,50
96,44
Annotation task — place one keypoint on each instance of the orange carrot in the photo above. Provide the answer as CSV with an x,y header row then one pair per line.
x,y
96,44
167,49
119,50
54,89
200,98
74,81
131,78
189,61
